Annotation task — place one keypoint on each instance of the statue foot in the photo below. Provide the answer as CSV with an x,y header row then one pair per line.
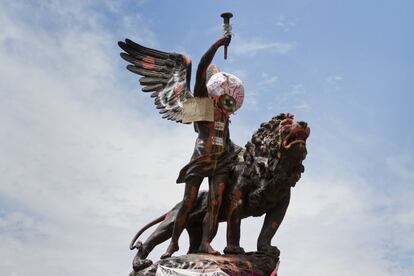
x,y
173,247
269,249
139,264
192,250
206,248
235,250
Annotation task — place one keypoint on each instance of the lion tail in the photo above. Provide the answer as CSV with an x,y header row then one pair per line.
x,y
134,244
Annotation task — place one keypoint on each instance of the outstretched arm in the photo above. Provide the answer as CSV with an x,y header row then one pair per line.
x,y
200,89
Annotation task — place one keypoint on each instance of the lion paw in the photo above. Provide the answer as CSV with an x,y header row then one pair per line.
x,y
269,249
233,250
139,264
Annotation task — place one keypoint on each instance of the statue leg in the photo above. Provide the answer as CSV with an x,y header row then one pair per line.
x,y
190,198
272,221
210,222
233,224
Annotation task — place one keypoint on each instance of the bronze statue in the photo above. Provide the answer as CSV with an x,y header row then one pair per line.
x,y
167,76
259,183
245,182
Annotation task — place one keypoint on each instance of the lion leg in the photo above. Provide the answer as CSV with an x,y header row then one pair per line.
x,y
158,236
138,263
194,233
272,221
162,233
233,225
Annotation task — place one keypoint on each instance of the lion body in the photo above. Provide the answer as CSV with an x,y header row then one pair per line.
x,y
259,184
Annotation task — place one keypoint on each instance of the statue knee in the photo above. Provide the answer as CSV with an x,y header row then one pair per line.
x,y
235,208
214,204
188,201
216,200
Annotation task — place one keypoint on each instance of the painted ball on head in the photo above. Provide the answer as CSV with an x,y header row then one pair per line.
x,y
227,89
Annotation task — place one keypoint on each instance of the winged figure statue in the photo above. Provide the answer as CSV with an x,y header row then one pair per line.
x,y
167,77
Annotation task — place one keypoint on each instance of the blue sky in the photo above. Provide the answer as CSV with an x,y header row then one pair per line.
x,y
81,149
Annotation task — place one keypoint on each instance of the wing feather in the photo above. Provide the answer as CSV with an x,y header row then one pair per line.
x,y
166,75
152,80
146,72
156,87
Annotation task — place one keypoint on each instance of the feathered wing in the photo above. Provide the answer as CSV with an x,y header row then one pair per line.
x,y
166,75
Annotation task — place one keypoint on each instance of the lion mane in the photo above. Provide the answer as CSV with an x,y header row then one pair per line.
x,y
258,175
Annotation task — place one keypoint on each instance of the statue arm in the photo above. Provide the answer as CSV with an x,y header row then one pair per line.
x,y
200,88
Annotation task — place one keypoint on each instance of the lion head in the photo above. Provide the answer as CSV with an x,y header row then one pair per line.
x,y
291,147
273,159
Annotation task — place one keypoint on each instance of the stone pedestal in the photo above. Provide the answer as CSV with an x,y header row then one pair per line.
x,y
252,263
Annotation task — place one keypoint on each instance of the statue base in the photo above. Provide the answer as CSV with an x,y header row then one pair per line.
x,y
251,263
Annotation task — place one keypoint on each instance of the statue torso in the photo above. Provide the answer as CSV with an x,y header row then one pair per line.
x,y
213,137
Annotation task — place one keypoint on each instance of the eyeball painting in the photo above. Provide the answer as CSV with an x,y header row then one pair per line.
x,y
223,83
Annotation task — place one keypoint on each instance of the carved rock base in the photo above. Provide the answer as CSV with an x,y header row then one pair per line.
x,y
251,263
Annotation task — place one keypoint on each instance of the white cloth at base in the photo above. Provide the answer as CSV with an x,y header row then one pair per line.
x,y
166,271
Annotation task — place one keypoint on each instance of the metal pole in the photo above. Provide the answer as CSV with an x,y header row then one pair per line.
x,y
226,28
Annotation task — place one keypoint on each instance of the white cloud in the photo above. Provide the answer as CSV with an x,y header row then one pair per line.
x,y
253,46
296,90
303,106
401,165
267,80
332,229
284,23
334,81
78,159
294,99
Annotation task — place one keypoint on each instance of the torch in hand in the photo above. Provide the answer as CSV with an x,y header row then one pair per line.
x,y
226,28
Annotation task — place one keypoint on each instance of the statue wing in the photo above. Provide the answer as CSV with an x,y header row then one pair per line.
x,y
166,75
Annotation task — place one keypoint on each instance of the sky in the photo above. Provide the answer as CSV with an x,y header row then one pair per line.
x,y
85,159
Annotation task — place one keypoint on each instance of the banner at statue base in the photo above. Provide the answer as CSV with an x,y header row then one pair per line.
x,y
166,271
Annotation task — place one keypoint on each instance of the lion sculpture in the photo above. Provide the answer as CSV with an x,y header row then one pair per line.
x,y
262,176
